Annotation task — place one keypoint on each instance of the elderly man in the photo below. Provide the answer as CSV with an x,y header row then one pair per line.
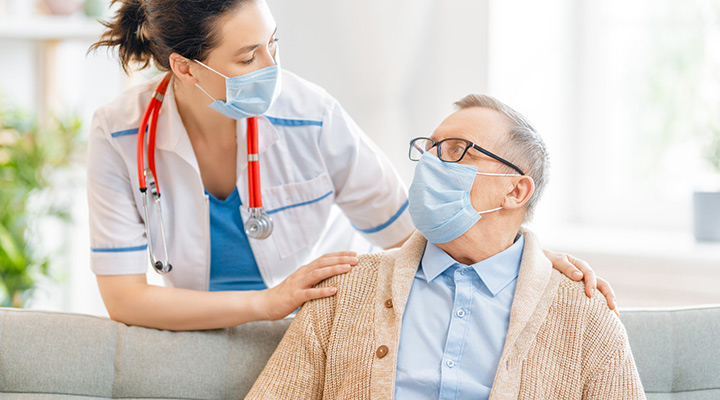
x,y
469,307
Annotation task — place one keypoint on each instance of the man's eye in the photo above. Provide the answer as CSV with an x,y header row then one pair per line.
x,y
457,150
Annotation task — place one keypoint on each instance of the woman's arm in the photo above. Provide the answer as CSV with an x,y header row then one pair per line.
x,y
130,300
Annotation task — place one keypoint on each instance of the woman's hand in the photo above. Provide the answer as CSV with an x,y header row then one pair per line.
x,y
279,301
576,269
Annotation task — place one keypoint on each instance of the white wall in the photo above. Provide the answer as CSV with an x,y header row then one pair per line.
x,y
396,66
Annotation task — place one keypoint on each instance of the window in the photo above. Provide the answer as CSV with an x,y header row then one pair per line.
x,y
625,94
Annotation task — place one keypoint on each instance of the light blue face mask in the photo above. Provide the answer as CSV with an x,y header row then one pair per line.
x,y
439,198
248,95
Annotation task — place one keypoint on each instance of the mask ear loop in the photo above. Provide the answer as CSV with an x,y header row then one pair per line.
x,y
205,91
200,87
494,209
201,63
493,174
489,211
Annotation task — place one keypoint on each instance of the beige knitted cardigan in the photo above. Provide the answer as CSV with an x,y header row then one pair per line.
x,y
560,344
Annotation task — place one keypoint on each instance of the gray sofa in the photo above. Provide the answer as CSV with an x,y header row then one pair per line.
x,y
67,356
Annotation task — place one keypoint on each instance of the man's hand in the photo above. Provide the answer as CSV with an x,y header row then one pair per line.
x,y
576,269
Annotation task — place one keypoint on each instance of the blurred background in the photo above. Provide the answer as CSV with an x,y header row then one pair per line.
x,y
626,95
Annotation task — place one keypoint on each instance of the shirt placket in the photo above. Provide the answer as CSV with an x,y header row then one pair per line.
x,y
457,333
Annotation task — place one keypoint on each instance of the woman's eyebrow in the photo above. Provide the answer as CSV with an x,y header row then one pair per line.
x,y
251,47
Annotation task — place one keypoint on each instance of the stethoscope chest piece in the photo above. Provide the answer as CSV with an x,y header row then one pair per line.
x,y
259,225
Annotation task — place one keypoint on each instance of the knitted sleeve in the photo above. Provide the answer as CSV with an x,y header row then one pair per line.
x,y
296,370
617,377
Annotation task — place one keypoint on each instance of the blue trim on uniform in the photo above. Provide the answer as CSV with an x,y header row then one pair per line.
x,y
300,204
292,122
124,133
386,224
118,249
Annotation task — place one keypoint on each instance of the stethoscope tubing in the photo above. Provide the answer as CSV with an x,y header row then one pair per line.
x,y
258,226
255,199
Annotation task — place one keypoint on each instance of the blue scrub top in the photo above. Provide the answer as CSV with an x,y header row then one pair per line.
x,y
232,263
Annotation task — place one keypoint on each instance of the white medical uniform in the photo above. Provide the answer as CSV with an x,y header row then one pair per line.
x,y
324,183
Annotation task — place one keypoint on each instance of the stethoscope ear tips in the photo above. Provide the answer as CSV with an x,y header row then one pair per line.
x,y
162,268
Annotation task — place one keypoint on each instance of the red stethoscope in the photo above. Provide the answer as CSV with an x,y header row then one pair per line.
x,y
258,226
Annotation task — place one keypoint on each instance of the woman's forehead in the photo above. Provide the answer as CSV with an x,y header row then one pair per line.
x,y
250,24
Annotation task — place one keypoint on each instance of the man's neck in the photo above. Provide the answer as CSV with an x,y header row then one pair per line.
x,y
484,240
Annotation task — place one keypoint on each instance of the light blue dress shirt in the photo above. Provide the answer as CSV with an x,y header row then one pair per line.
x,y
454,326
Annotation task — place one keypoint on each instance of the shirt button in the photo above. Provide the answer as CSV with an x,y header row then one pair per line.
x,y
460,313
450,363
388,303
381,351
463,271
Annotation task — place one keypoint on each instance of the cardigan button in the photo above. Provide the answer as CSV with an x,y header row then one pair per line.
x,y
388,303
381,351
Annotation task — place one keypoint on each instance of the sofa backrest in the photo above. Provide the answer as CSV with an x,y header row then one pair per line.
x,y
80,355
75,356
677,351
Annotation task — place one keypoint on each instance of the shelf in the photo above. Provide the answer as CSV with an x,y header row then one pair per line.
x,y
647,243
50,28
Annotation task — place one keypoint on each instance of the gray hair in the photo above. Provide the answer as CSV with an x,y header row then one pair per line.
x,y
524,147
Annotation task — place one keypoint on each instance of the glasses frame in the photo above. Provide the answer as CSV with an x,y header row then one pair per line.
x,y
468,145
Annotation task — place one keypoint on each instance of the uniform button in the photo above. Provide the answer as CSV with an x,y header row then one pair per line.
x,y
450,363
388,303
463,271
381,351
460,313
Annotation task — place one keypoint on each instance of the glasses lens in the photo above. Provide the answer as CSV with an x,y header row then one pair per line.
x,y
452,150
418,147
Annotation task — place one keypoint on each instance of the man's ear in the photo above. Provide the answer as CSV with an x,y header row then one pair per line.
x,y
181,67
520,193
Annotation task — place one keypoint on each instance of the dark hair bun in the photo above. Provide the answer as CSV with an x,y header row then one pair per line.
x,y
147,31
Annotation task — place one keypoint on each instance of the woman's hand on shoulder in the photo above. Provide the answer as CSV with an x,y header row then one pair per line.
x,y
279,301
577,269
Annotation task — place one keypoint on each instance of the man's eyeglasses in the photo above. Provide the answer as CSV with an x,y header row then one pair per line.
x,y
452,150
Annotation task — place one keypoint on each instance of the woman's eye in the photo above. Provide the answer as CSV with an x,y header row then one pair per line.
x,y
249,61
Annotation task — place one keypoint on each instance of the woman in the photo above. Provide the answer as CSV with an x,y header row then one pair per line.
x,y
223,60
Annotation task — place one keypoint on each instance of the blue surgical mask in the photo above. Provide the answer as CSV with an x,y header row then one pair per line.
x,y
248,95
439,198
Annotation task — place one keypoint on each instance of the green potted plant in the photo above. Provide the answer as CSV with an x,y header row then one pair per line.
x,y
706,203
31,155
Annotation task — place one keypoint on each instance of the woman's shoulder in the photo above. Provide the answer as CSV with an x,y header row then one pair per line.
x,y
126,109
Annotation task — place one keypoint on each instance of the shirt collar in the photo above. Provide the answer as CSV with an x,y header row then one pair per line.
x,y
496,272
434,262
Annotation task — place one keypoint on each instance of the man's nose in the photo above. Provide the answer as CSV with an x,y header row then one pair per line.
x,y
433,151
